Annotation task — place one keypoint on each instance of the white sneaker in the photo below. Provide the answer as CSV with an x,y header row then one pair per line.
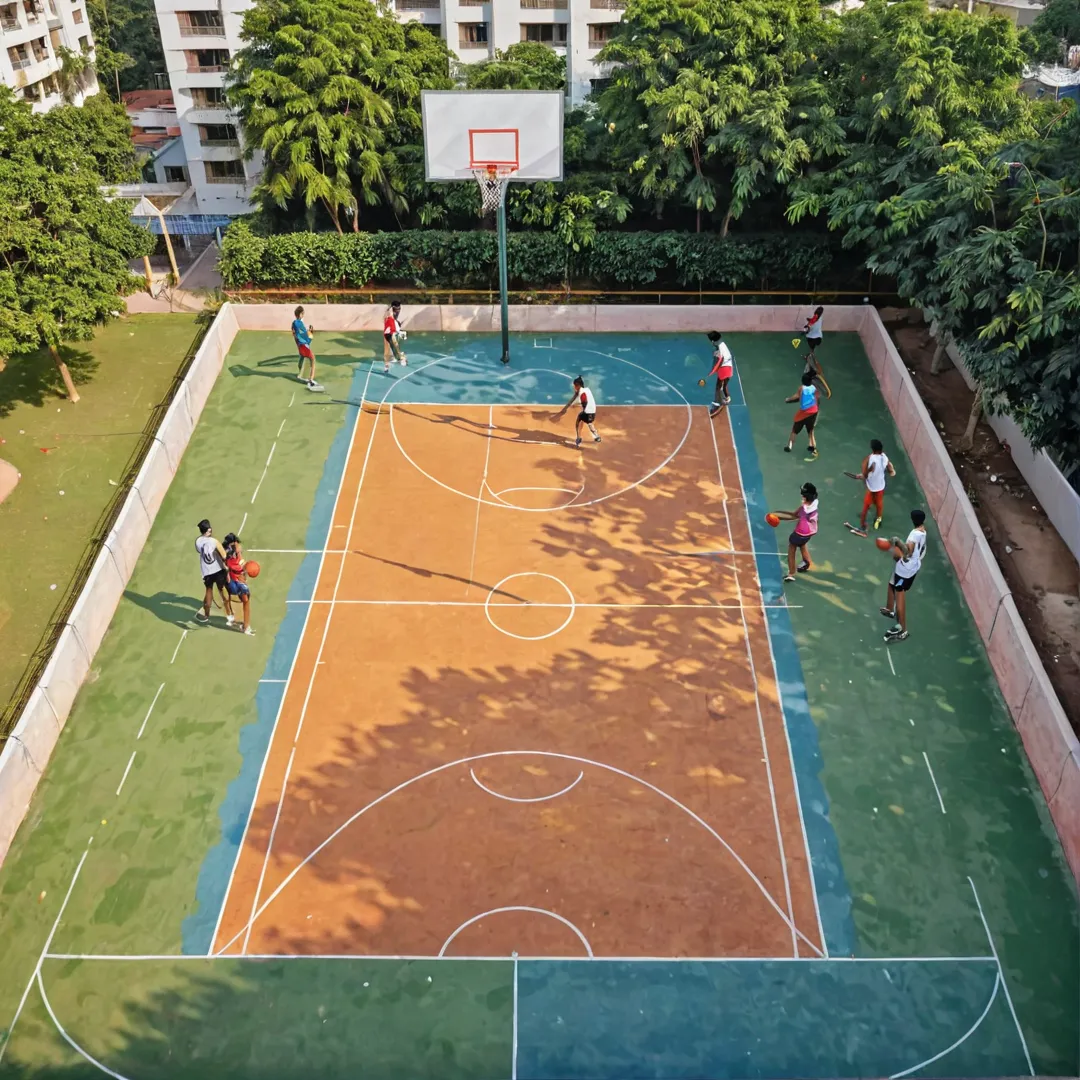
x,y
249,632
300,378
230,619
404,362
315,387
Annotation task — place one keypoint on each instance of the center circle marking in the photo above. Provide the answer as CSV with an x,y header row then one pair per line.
x,y
572,605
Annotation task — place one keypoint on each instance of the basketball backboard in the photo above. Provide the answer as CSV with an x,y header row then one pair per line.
x,y
519,133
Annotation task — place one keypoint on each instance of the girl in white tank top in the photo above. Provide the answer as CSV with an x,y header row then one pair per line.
x,y
874,468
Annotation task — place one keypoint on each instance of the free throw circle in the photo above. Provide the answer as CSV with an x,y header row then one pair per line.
x,y
506,608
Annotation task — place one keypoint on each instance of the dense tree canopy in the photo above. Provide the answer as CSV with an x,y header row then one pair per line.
x,y
64,250
525,65
127,43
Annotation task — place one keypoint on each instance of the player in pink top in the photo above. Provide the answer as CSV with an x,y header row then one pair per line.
x,y
806,522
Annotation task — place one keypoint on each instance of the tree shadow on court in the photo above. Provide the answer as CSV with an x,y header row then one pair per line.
x,y
510,434
33,378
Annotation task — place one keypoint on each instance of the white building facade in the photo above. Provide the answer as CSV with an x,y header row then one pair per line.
x,y
474,29
32,33
200,38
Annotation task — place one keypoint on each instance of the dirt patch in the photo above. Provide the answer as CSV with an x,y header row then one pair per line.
x,y
1040,569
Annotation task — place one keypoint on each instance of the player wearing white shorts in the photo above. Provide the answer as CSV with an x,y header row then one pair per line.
x,y
909,555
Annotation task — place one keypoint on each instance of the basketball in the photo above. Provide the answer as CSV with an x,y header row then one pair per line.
x,y
701,382
252,568
882,543
772,519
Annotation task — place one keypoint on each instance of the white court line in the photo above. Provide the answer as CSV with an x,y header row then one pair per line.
x,y
963,1038
436,770
514,1040
279,430
479,504
149,711
757,706
937,790
532,910
600,606
207,957
269,845
322,645
269,458
131,761
292,668
44,952
783,713
273,680
68,1039
291,400
888,653
178,644
1001,976
243,522
539,798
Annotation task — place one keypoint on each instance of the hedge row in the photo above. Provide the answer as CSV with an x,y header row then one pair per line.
x,y
429,258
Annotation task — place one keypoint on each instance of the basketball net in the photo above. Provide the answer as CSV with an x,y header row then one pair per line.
x,y
492,180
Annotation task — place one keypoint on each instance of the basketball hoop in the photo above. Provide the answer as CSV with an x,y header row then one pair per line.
x,y
492,180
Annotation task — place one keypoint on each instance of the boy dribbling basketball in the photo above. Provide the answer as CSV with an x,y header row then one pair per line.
x,y
393,335
723,368
584,397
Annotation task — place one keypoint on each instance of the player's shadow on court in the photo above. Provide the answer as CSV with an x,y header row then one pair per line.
x,y
169,607
420,571
484,431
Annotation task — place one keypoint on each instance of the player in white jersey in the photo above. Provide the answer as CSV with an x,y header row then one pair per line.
x,y
909,555
875,466
583,396
212,567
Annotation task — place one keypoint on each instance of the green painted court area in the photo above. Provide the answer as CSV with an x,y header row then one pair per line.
x,y
950,916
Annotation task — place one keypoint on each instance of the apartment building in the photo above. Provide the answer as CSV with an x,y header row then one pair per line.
x,y
32,33
474,29
200,38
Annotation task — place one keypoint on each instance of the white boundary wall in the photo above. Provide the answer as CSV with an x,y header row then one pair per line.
x,y
1054,493
1050,743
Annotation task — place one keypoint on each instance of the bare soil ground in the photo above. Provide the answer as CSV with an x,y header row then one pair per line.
x,y
1040,569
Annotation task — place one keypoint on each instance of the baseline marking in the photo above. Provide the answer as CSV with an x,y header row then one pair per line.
x,y
515,753
535,910
540,604
1001,976
292,668
760,719
539,798
514,1039
149,711
131,761
266,467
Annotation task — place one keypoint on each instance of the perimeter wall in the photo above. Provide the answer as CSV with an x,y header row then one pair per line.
x,y
1049,740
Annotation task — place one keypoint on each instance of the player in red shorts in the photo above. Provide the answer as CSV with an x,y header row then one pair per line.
x,y
393,335
806,415
302,336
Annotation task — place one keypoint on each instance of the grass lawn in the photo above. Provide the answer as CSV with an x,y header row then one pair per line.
x,y
46,522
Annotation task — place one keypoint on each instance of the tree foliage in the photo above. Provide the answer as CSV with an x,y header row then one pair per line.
x,y
525,65
64,250
1055,28
127,43
329,92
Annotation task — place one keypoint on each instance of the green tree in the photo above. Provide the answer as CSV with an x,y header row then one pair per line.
x,y
716,101
1055,28
64,250
525,65
127,44
327,90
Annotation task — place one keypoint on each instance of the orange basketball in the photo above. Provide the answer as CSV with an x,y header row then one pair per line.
x,y
882,543
772,519
252,568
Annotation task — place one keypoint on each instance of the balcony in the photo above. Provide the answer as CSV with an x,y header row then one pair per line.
x,y
608,5
225,179
220,143
202,31
9,22
21,63
416,5
545,5
471,3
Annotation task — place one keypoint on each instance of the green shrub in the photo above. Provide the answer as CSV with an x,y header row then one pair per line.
x,y
435,259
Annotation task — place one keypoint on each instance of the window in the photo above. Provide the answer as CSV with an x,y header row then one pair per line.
x,y
9,17
19,57
218,135
598,86
472,35
545,33
175,174
153,130
40,50
600,34
204,60
545,5
77,15
84,44
200,24
224,172
416,5
32,92
208,97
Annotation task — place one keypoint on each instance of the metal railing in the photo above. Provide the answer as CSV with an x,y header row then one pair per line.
x,y
608,5
241,179
545,5
22,62
205,69
598,42
416,5
539,297
219,143
465,43
202,31
9,22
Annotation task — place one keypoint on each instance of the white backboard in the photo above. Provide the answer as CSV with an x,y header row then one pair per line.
x,y
514,129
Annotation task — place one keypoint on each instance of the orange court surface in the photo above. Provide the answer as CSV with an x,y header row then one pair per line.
x,y
534,708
